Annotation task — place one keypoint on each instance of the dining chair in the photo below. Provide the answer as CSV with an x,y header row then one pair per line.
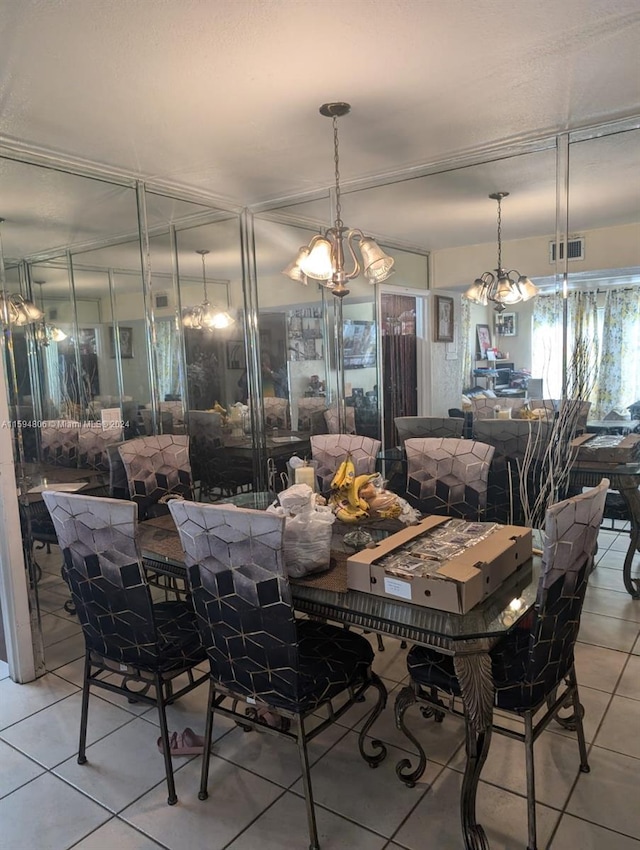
x,y
165,421
125,632
518,444
309,410
333,424
529,665
329,450
484,408
448,476
118,482
276,412
427,426
93,441
157,468
59,441
259,652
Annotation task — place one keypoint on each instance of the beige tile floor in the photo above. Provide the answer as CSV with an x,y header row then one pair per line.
x,y
117,801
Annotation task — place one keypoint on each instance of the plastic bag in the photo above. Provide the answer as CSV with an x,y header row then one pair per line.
x,y
307,542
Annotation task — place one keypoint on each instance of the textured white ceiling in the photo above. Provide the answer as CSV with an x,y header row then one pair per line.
x,y
222,96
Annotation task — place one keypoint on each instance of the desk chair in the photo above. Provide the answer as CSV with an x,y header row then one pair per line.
x,y
124,631
329,450
529,665
427,426
157,467
258,651
448,476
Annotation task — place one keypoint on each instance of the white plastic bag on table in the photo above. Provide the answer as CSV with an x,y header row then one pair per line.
x,y
307,542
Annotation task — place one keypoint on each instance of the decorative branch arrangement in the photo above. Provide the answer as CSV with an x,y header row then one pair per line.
x,y
546,467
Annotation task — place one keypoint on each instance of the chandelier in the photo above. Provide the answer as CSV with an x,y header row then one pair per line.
x,y
323,258
14,309
503,287
46,333
206,316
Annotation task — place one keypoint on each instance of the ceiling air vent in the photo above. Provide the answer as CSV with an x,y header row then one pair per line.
x,y
575,249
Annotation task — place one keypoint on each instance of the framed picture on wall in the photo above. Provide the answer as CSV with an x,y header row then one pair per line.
x,y
444,318
126,342
507,324
483,338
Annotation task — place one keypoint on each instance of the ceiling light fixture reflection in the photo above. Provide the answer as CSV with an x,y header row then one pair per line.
x,y
46,333
14,308
504,287
206,316
323,258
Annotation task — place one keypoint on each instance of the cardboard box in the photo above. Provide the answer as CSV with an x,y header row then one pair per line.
x,y
607,448
461,582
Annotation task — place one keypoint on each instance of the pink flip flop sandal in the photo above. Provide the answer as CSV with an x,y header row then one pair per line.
x,y
185,743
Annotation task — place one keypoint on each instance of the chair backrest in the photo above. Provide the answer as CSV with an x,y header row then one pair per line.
x,y
427,426
576,411
484,408
157,466
241,595
59,440
331,420
118,483
549,405
512,437
93,441
102,567
205,429
276,412
329,450
166,421
176,410
448,476
307,407
571,535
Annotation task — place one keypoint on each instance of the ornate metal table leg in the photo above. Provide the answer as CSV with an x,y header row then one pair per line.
x,y
628,488
473,670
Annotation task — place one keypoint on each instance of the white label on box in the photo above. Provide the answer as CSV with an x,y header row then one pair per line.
x,y
395,587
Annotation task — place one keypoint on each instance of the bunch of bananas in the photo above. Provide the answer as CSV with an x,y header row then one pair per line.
x,y
346,501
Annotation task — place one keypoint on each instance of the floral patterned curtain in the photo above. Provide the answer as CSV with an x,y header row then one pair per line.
x,y
619,378
611,336
168,357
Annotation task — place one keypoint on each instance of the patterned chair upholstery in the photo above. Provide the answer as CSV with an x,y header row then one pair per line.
x,y
513,440
176,410
329,450
276,413
427,426
530,664
577,412
484,408
210,465
118,482
156,468
331,420
124,631
59,440
258,651
448,476
307,410
166,421
550,405
93,442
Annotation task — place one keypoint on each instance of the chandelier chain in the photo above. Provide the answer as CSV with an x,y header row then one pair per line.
x,y
336,159
499,233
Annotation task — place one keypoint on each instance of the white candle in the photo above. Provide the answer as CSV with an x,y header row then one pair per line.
x,y
306,475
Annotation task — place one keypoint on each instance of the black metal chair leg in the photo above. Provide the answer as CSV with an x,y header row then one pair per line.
x,y
578,712
531,783
206,755
166,747
84,714
306,781
380,643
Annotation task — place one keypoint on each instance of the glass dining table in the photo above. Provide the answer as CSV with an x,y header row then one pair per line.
x,y
468,637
